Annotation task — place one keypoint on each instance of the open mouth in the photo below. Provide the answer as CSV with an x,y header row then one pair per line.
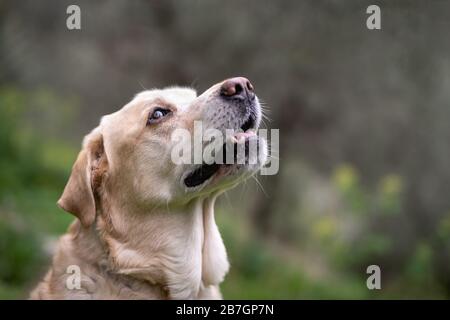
x,y
248,124
206,171
201,174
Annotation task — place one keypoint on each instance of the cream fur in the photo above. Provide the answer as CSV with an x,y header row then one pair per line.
x,y
140,234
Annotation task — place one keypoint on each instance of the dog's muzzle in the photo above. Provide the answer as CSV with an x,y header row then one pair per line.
x,y
237,109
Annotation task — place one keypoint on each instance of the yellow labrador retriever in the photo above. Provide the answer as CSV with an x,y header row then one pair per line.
x,y
145,227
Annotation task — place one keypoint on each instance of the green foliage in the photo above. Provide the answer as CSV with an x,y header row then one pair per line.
x,y
28,159
21,252
346,180
33,170
262,271
369,244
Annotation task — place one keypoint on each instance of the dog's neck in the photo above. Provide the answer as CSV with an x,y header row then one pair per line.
x,y
180,250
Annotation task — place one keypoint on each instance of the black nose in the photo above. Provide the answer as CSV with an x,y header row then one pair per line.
x,y
238,87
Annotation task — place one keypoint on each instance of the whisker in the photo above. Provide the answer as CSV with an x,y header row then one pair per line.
x,y
260,185
229,201
167,205
194,84
266,117
264,123
142,85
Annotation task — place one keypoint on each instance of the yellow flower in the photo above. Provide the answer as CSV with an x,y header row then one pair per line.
x,y
391,185
324,228
345,177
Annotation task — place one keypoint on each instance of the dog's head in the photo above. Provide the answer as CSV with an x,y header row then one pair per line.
x,y
132,155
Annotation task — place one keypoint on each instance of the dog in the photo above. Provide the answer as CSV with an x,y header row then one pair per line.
x,y
145,226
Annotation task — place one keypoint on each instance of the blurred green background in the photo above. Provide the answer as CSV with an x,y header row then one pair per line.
x,y
364,133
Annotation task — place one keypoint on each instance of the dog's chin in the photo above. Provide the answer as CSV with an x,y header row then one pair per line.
x,y
217,176
242,154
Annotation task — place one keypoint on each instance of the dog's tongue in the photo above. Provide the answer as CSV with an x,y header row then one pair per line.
x,y
240,137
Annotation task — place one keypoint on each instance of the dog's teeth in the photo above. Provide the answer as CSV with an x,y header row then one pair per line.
x,y
240,136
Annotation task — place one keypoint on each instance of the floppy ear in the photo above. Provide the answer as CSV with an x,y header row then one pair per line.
x,y
215,263
78,197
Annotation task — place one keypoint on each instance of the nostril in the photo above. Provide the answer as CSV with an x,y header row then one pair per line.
x,y
238,88
249,86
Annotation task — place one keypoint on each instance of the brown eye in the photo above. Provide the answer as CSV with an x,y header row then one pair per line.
x,y
157,114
